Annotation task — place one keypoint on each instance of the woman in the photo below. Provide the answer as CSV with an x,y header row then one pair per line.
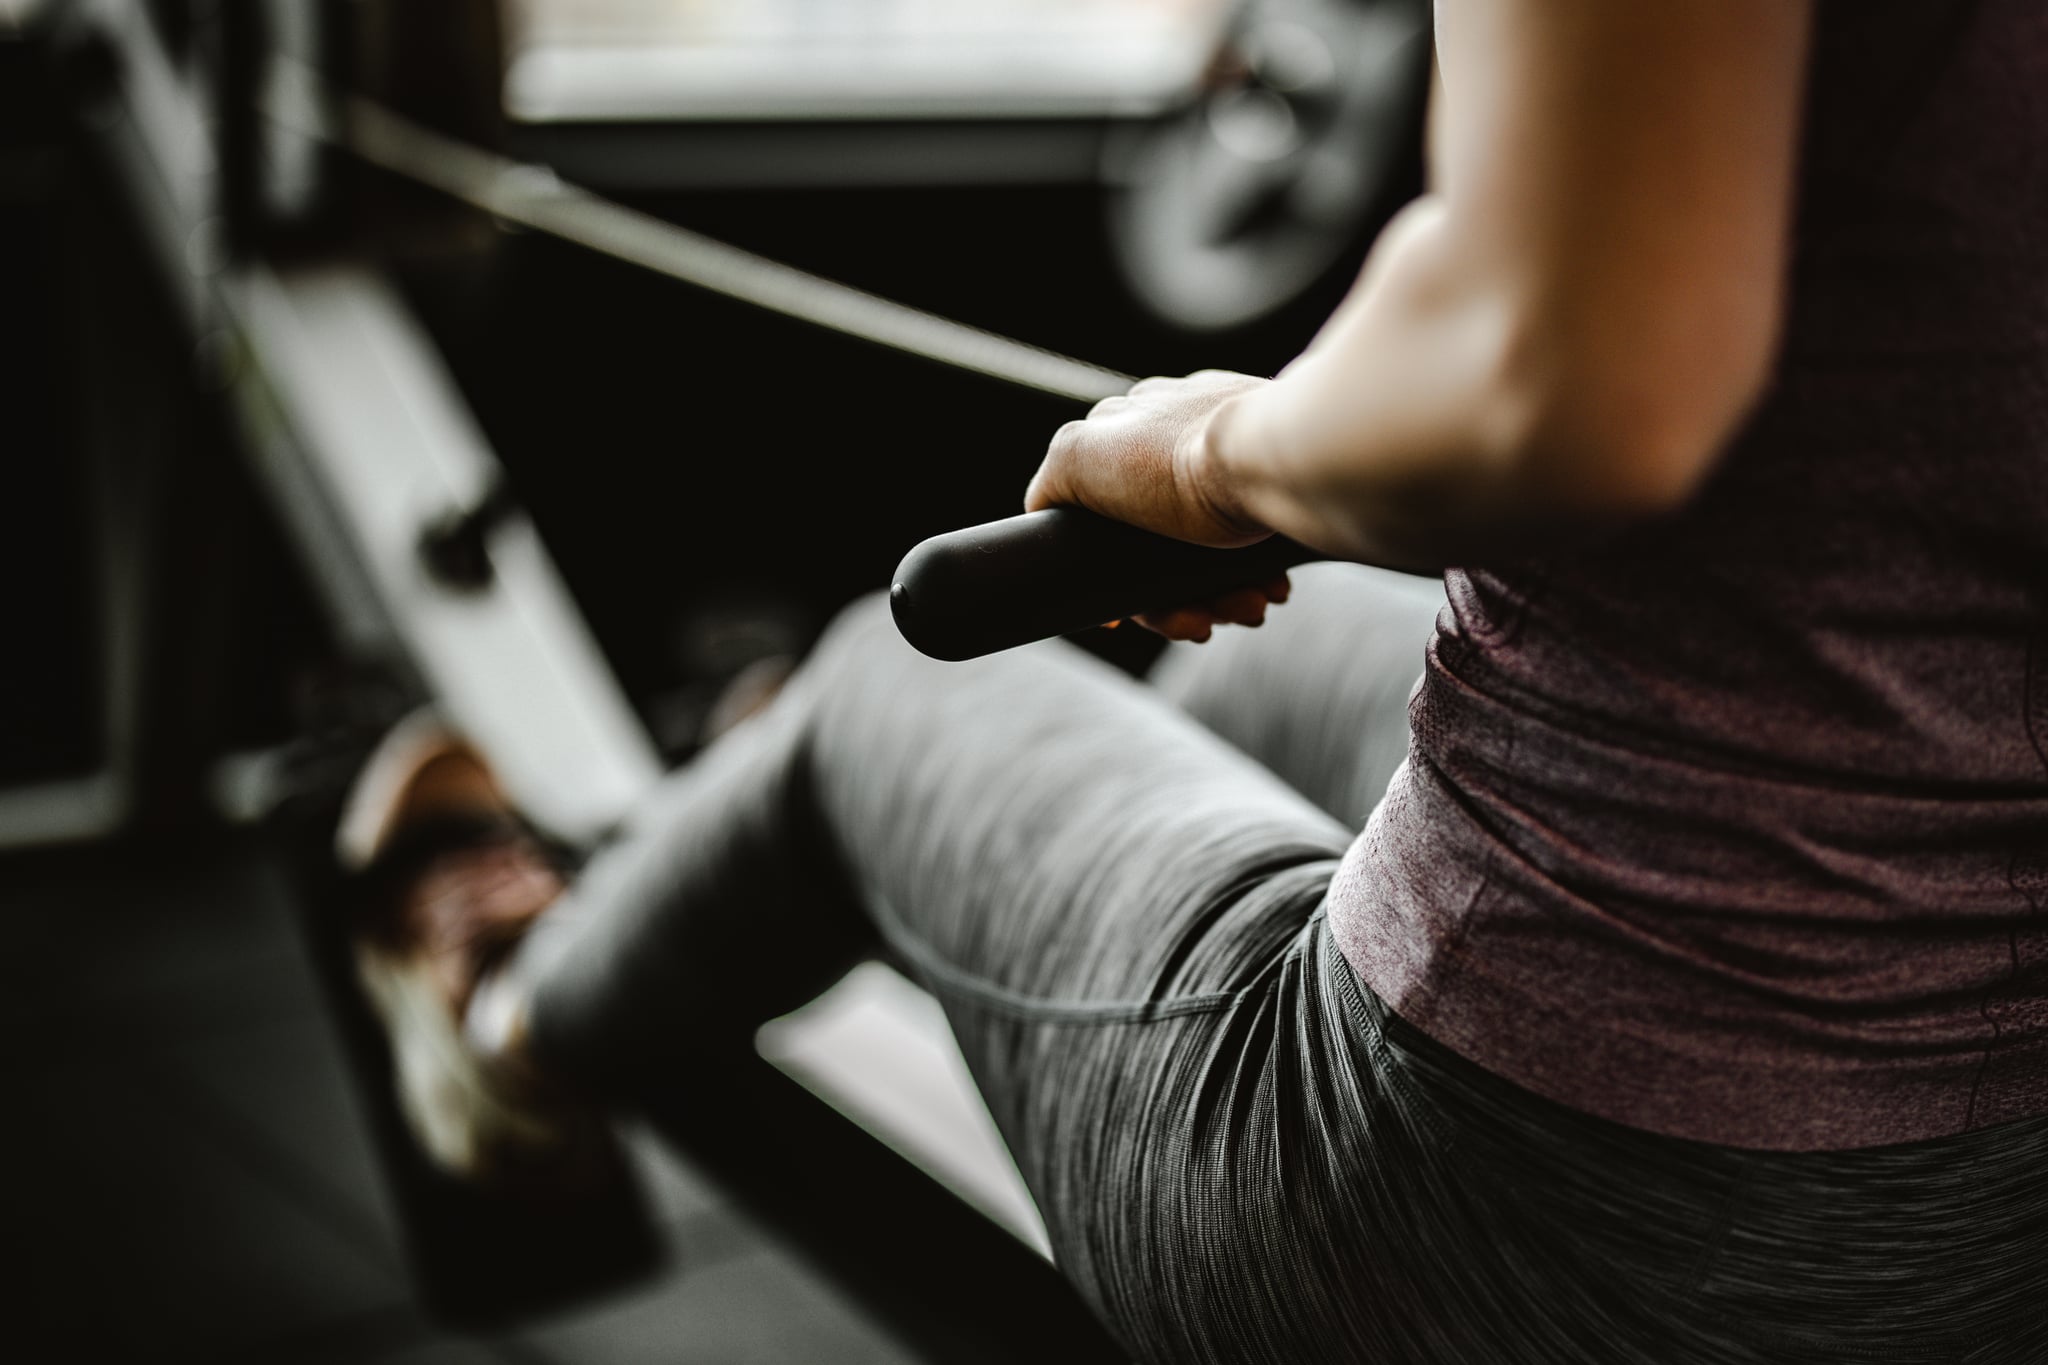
x,y
1685,995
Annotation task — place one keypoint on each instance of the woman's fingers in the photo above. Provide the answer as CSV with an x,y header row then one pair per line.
x,y
1184,623
1245,607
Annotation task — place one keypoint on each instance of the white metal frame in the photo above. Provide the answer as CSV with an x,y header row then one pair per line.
x,y
361,440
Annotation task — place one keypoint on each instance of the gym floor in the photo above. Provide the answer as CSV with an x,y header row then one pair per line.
x,y
188,1178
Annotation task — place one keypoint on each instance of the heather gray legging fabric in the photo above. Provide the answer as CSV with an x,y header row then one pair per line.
x,y
1240,1156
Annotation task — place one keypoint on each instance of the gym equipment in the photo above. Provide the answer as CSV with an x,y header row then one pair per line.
x,y
535,197
1005,583
1305,133
623,95
436,582
431,573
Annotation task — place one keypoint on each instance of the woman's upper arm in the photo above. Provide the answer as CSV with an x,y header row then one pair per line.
x,y
1622,171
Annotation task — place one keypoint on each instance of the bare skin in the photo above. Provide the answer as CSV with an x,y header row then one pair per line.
x,y
1557,339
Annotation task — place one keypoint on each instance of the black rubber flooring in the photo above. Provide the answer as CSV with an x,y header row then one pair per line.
x,y
184,1174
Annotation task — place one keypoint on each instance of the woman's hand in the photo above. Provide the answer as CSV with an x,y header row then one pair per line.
x,y
1138,459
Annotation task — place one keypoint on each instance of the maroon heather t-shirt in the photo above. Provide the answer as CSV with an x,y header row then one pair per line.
x,y
1736,827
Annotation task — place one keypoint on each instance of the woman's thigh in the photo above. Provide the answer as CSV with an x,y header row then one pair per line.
x,y
1294,1174
1042,825
1036,822
1239,1154
1318,694
1262,1176
1118,911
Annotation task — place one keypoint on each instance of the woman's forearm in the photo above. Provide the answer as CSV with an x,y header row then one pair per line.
x,y
1560,337
1377,443
1564,334
1433,420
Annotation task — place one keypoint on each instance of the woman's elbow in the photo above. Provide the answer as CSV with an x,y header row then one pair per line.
x,y
1625,442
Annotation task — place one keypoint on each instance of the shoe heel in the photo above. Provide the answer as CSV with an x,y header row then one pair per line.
x,y
480,1258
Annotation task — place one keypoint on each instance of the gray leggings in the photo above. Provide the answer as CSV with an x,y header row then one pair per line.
x,y
1240,1155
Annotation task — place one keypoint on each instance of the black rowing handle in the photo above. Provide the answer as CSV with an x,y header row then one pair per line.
x,y
972,592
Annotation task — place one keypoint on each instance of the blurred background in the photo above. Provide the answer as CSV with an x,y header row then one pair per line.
x,y
363,353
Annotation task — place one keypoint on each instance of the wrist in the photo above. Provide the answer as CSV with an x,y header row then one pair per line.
x,y
1215,467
